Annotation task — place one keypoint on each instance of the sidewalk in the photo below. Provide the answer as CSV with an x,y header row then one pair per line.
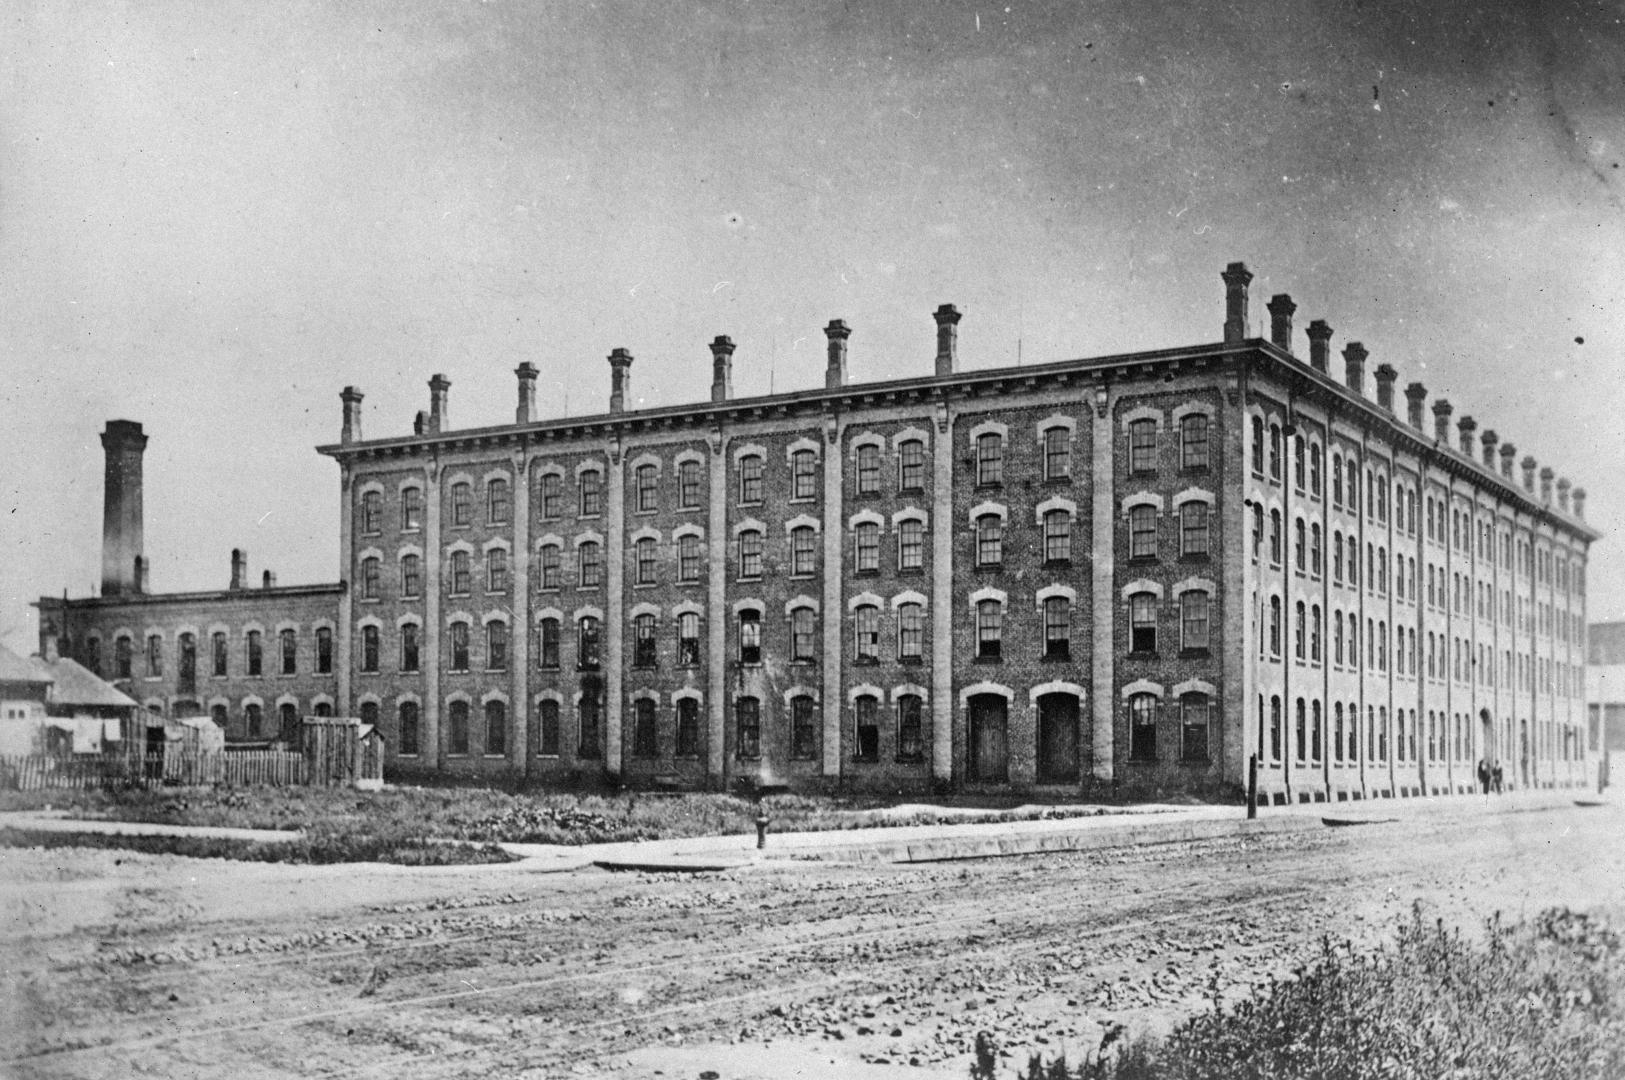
x,y
59,821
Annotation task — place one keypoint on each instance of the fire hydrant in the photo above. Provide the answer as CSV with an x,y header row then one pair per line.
x,y
761,828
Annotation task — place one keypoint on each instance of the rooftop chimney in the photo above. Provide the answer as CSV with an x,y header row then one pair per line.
x,y
1415,395
1489,439
1281,308
420,423
722,368
1441,422
1466,426
439,386
1320,344
1546,476
239,568
1385,386
525,411
1529,464
351,431
123,444
837,332
1563,494
268,580
620,379
1580,503
1354,355
1508,452
1236,276
947,317
142,566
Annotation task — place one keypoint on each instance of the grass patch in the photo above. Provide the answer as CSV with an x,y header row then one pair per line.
x,y
484,815
317,849
1543,998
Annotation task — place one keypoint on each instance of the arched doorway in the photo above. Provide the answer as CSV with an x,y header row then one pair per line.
x,y
1058,739
987,758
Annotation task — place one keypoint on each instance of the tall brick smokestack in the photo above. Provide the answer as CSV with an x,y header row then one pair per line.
x,y
722,368
620,379
524,410
835,372
947,317
123,537
1236,278
439,403
1281,308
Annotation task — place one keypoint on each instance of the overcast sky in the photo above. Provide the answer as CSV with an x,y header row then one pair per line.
x,y
214,215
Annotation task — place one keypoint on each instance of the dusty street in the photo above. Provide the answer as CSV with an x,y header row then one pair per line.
x,y
118,964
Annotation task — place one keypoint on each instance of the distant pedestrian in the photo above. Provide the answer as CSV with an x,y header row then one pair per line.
x,y
1498,777
1484,777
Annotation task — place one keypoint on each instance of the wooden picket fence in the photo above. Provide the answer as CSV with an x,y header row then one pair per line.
x,y
245,768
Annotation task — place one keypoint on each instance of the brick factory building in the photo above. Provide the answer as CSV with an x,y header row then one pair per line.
x,y
1124,575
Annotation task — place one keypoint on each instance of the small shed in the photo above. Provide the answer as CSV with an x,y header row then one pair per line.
x,y
343,751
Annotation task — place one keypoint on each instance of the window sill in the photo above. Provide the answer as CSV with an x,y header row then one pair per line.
x,y
870,572
410,671
495,757
911,661
917,490
992,485
588,517
747,757
1195,654
1142,560
645,513
407,598
988,567
1057,564
588,588
911,571
645,667
496,671
449,596
459,528
371,599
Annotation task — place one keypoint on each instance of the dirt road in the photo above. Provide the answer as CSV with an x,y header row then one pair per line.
x,y
173,967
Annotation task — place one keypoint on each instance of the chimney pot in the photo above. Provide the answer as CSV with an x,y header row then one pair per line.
x,y
1354,356
439,387
268,580
947,317
420,423
351,430
1281,308
1236,277
239,567
1508,452
835,374
1563,494
1489,439
1415,395
525,411
123,519
1320,339
1386,374
1580,503
620,379
722,382
1546,476
1466,426
1441,421
1529,464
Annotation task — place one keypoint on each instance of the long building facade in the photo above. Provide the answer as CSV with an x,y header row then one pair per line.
x,y
1109,577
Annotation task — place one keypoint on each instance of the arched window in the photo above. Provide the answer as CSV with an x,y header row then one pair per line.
x,y
496,728
910,744
748,721
1193,442
591,493
866,541
750,553
1314,469
1275,626
1299,470
496,570
1193,529
497,502
1142,446
1314,633
550,575
910,632
803,474
1299,630
411,576
547,725
1337,480
1337,733
989,540
590,565
1057,536
647,484
1314,550
462,504
688,558
217,645
1275,538
256,720
1354,561
462,575
910,544
689,483
750,637
1057,628
866,734
1142,621
1194,715
288,719
1142,532
372,505
866,634
803,550
869,469
411,509
688,727
459,646
750,478
803,635
1337,557
587,643
1275,729
1193,619
645,740
458,712
1337,638
1258,530
547,657
407,735
1275,452
989,459
1300,730
1258,445
289,644
409,647
1142,726
911,465
646,553
643,641
1316,729
989,630
1299,547
1057,453
550,496
688,639
369,578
